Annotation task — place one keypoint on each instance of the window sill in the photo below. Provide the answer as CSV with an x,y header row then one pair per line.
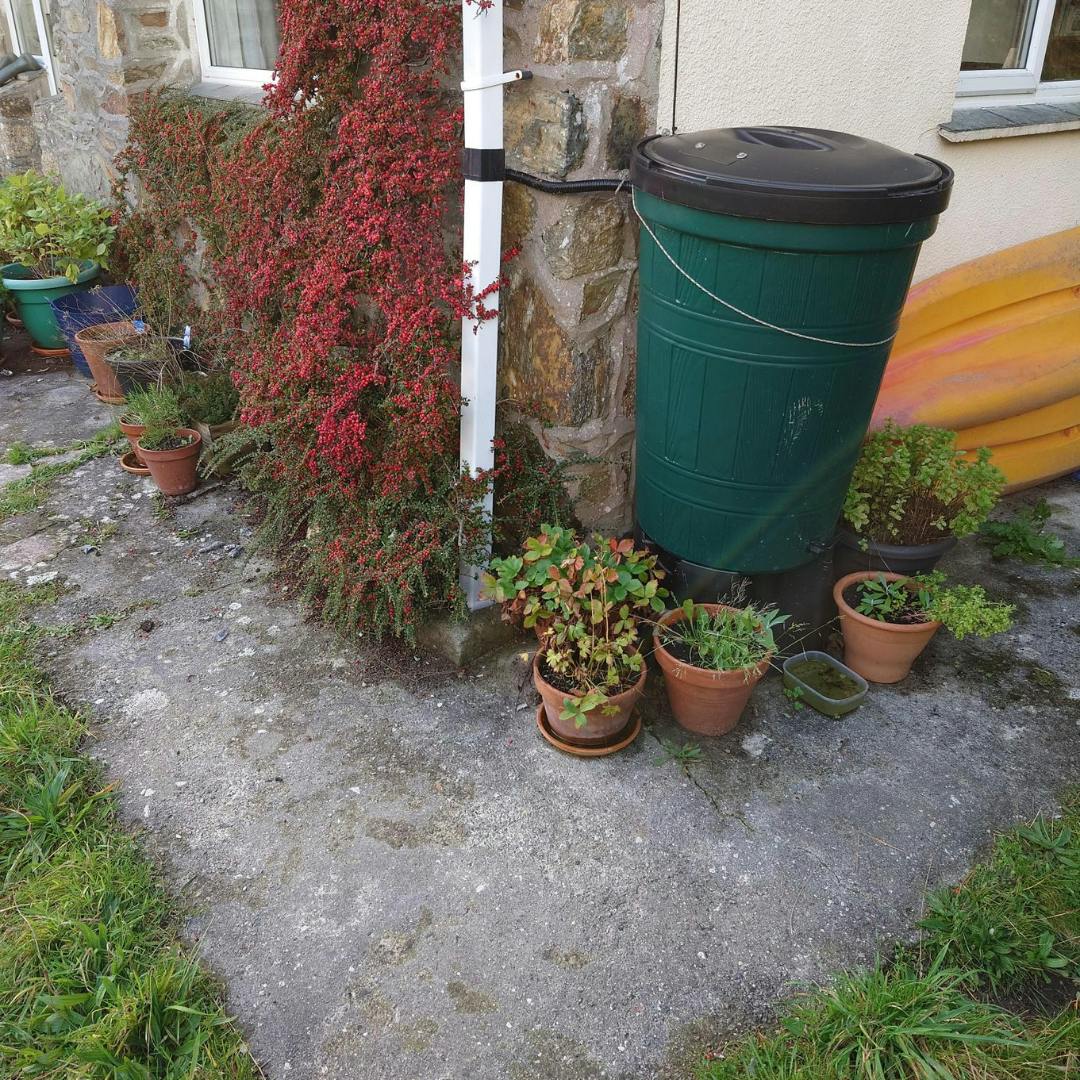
x,y
250,94
973,123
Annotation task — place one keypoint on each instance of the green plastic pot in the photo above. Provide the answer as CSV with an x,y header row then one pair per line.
x,y
32,296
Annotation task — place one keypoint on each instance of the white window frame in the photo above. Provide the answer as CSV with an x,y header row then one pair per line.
x,y
212,72
1018,86
45,59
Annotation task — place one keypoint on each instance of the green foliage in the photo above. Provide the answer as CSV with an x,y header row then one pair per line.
x,y
891,601
726,640
530,487
966,609
686,754
212,399
912,486
155,407
518,582
93,982
961,609
28,492
897,1023
1024,537
47,230
589,599
164,438
1015,920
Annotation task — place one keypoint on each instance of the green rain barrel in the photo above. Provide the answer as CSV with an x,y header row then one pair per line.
x,y
774,267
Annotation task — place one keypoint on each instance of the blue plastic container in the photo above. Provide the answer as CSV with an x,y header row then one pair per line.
x,y
77,311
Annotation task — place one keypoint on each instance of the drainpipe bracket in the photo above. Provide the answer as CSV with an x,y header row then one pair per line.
x,y
489,81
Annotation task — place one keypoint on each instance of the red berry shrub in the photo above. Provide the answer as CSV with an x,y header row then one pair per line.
x,y
321,225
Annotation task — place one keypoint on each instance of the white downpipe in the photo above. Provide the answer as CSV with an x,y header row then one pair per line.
x,y
483,81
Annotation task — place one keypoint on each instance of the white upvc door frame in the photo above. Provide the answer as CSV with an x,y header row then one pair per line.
x,y
212,72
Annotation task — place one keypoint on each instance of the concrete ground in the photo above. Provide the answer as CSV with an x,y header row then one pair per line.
x,y
396,877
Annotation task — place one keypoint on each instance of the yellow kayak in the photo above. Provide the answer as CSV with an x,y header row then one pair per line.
x,y
991,349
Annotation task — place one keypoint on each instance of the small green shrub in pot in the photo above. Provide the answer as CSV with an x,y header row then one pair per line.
x,y
889,619
962,609
912,486
50,232
155,408
211,399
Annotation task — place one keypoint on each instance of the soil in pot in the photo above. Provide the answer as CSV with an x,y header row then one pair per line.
x,y
704,701
173,464
881,652
601,727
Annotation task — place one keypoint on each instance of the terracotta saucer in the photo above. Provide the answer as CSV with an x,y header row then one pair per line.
x,y
49,352
130,463
620,742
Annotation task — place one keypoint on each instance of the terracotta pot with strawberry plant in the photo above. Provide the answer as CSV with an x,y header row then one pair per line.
x,y
172,456
889,619
589,671
912,495
713,656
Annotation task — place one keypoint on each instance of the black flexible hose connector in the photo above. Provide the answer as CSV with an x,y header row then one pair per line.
x,y
566,187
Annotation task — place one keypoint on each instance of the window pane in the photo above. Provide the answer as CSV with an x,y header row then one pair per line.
x,y
1063,51
998,35
26,27
242,33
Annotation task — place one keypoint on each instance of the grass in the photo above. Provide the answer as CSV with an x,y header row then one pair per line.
x,y
28,493
93,982
1012,924
1015,920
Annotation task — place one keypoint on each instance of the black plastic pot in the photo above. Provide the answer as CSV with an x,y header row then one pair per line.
x,y
849,556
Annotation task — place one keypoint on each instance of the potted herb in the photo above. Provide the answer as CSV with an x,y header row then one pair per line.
x,y
56,244
713,656
911,496
211,401
171,454
590,671
889,619
151,407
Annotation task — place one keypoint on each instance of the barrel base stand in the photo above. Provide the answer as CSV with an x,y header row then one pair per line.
x,y
804,593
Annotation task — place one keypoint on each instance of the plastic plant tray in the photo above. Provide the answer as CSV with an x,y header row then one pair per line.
x,y
833,707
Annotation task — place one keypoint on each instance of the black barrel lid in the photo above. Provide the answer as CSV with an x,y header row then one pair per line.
x,y
792,174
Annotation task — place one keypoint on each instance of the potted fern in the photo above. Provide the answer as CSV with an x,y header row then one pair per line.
x,y
889,619
911,496
56,244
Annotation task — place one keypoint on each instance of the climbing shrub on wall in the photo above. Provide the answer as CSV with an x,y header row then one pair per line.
x,y
321,227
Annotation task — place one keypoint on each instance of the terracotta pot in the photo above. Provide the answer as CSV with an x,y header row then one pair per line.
x,y
880,652
174,471
703,701
95,341
134,432
600,727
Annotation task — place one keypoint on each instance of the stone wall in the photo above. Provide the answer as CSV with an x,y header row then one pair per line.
x,y
105,52
568,333
19,146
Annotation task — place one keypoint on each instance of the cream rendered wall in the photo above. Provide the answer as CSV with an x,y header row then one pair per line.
x,y
885,69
